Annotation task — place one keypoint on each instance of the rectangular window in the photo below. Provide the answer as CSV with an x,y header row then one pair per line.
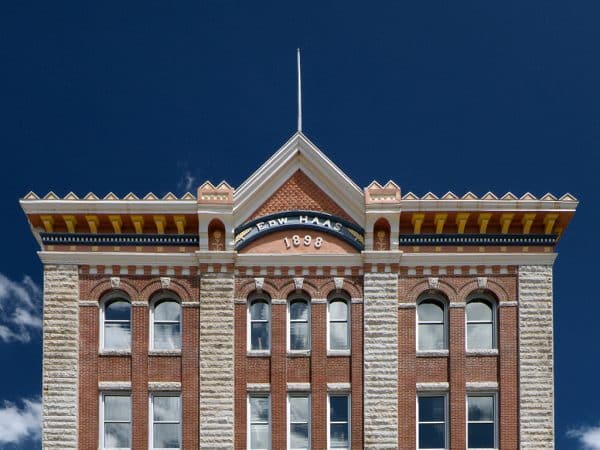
x,y
339,421
116,421
432,422
259,422
481,411
299,422
166,421
338,321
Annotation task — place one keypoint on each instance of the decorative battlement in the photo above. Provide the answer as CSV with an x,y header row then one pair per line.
x,y
221,194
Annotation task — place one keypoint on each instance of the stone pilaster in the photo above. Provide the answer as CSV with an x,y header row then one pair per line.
x,y
60,372
536,357
381,361
216,361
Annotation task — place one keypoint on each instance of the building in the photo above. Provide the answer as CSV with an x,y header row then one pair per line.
x,y
298,309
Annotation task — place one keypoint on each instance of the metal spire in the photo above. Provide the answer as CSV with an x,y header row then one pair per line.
x,y
299,93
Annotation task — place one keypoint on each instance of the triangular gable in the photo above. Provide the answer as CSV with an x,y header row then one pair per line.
x,y
298,154
299,193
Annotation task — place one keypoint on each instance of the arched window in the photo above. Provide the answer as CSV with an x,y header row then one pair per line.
x,y
299,324
116,324
259,330
166,325
338,313
432,333
480,325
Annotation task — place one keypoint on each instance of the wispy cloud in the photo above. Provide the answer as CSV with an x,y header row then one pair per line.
x,y
20,309
187,181
589,437
20,424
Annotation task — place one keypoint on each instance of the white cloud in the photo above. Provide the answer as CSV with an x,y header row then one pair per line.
x,y
589,437
20,424
20,309
187,181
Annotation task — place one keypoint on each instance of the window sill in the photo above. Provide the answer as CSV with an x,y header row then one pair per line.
x,y
165,352
115,352
298,353
432,353
483,352
338,352
258,353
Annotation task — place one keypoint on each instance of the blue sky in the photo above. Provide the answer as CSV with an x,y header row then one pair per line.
x,y
438,96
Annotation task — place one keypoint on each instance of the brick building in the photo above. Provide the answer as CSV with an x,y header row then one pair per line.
x,y
298,311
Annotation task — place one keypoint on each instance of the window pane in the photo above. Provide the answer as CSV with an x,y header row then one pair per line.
x,y
166,408
478,310
167,311
338,408
432,435
338,339
118,310
117,336
117,407
429,311
298,435
338,310
117,435
260,336
259,310
299,310
299,336
338,435
259,436
259,409
481,408
431,409
167,336
479,336
299,409
166,435
481,435
431,337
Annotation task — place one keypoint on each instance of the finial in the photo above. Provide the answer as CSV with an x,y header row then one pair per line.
x,y
299,93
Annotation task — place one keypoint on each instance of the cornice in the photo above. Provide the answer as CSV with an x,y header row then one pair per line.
x,y
119,258
109,206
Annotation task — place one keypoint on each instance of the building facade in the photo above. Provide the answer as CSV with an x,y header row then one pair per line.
x,y
298,311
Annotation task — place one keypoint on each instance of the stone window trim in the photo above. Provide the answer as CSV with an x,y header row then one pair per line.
x,y
102,418
337,296
434,393
433,353
151,400
155,300
493,303
111,297
482,391
438,298
255,395
252,298
302,297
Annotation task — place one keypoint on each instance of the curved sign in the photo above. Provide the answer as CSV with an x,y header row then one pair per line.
x,y
312,220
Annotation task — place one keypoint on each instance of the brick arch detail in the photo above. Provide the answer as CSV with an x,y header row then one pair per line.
x,y
350,287
307,287
103,287
422,287
154,286
494,289
249,286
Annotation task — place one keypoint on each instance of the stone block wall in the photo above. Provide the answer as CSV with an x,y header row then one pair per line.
x,y
536,358
217,360
380,360
60,353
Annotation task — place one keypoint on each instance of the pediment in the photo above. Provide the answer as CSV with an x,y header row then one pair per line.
x,y
298,164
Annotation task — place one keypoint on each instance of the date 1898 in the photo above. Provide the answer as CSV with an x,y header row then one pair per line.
x,y
307,241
